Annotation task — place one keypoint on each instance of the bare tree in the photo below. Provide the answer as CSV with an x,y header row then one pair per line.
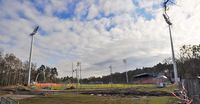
x,y
40,71
189,61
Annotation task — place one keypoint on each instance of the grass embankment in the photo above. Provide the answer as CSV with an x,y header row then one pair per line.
x,y
170,88
97,86
88,99
106,86
137,87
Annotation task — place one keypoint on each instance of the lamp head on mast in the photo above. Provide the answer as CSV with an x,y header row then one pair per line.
x,y
34,31
167,19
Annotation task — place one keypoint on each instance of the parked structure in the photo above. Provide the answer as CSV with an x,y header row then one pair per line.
x,y
148,78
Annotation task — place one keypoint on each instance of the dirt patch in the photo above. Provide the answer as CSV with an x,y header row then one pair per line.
x,y
126,92
22,91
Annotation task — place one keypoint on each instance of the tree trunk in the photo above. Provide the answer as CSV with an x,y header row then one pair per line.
x,y
44,76
36,78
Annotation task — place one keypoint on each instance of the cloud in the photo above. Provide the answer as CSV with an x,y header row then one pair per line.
x,y
98,33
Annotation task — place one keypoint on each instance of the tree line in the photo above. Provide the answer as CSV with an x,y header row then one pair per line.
x,y
46,74
121,77
188,65
13,71
189,61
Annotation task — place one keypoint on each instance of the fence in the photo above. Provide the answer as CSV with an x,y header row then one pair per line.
x,y
8,100
193,89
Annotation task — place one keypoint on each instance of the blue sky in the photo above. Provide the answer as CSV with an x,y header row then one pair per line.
x,y
98,33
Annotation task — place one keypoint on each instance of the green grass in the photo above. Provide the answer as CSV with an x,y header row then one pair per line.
x,y
101,86
105,86
137,87
154,88
88,99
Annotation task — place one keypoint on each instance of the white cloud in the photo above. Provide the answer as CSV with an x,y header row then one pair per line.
x,y
150,5
93,12
117,6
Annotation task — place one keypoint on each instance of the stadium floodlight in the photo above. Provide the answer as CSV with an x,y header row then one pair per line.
x,y
167,20
78,70
72,72
34,31
79,67
125,63
29,70
110,74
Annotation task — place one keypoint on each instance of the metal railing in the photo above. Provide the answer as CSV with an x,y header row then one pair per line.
x,y
8,100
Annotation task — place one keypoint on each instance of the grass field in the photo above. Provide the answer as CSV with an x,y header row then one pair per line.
x,y
138,87
100,86
88,99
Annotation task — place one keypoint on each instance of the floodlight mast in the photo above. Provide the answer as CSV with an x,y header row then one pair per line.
x,y
167,20
125,62
110,74
72,72
78,70
29,70
80,73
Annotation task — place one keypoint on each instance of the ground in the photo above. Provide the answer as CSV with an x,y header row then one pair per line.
x,y
89,94
91,99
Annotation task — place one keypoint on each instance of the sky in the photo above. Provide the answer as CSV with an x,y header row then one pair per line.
x,y
97,33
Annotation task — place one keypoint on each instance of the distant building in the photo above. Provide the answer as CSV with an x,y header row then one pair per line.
x,y
148,78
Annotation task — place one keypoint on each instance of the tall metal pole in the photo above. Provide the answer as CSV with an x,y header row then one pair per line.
x,y
110,74
80,73
77,70
29,71
77,75
167,20
173,57
125,63
72,71
77,78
